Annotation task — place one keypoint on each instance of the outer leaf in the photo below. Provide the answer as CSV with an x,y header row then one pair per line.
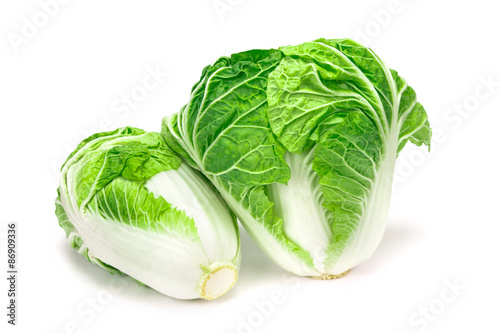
x,y
339,99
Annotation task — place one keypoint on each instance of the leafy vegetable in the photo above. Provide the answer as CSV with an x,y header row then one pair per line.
x,y
302,142
129,204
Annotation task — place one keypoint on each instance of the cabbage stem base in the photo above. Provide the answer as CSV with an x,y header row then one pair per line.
x,y
330,277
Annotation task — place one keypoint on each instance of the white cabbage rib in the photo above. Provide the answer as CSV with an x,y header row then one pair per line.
x,y
187,191
300,205
166,264
373,221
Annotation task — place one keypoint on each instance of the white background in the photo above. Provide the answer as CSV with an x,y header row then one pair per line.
x,y
65,80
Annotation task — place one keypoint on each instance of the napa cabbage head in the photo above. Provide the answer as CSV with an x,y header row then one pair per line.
x,y
309,136
130,205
